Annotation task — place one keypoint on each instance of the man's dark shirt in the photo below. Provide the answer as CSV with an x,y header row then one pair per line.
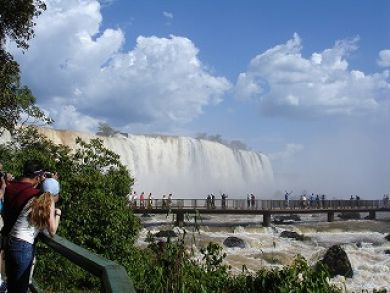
x,y
17,194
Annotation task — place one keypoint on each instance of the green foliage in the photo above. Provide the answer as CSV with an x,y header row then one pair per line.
x,y
95,212
297,278
105,129
17,20
17,101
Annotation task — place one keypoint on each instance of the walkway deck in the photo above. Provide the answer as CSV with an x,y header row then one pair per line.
x,y
266,208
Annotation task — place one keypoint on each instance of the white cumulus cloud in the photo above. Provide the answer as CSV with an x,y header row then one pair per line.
x,y
384,58
80,72
285,82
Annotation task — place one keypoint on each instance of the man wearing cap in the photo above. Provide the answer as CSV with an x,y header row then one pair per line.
x,y
17,195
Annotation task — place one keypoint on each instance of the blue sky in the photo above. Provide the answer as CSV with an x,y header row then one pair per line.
x,y
306,82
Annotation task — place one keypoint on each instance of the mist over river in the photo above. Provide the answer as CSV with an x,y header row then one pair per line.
x,y
363,241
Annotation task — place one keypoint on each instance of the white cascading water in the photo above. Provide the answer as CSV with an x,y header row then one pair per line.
x,y
184,166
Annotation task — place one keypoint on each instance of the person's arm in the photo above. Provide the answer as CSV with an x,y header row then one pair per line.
x,y
2,188
54,220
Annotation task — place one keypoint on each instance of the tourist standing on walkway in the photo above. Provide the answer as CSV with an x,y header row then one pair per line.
x,y
224,197
24,215
164,202
323,198
318,201
303,201
169,202
253,200
142,200
248,200
311,200
357,200
208,201
385,200
351,199
133,199
287,198
150,201
213,201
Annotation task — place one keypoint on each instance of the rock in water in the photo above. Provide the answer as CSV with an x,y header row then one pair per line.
x,y
290,234
286,219
350,216
337,262
167,233
234,242
387,237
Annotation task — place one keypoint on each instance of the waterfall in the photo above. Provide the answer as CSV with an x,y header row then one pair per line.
x,y
184,166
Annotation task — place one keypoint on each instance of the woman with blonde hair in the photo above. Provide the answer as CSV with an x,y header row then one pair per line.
x,y
39,214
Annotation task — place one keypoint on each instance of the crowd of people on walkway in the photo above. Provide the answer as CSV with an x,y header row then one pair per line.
x,y
148,202
320,200
210,201
303,201
28,206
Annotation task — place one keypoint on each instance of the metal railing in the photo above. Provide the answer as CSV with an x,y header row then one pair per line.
x,y
259,204
113,277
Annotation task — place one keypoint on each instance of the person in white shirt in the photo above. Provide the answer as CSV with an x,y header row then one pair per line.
x,y
39,214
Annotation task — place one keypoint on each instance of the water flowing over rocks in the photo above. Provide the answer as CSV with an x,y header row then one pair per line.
x,y
294,235
337,262
234,242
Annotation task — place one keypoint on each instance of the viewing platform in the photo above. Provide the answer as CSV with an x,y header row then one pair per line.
x,y
266,208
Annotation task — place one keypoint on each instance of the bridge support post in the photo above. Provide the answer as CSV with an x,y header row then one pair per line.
x,y
180,219
266,220
372,215
330,216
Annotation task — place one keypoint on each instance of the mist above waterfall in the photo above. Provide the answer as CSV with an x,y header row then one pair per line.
x,y
184,166
350,161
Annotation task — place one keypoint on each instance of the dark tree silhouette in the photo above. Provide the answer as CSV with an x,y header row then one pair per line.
x,y
16,101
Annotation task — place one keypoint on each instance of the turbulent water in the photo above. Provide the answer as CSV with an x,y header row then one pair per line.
x,y
363,240
184,166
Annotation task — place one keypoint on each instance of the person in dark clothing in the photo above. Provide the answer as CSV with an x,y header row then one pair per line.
x,y
224,197
323,198
318,201
213,201
17,195
287,198
357,200
253,200
208,201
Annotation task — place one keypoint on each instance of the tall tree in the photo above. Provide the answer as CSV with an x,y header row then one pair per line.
x,y
17,21
105,129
